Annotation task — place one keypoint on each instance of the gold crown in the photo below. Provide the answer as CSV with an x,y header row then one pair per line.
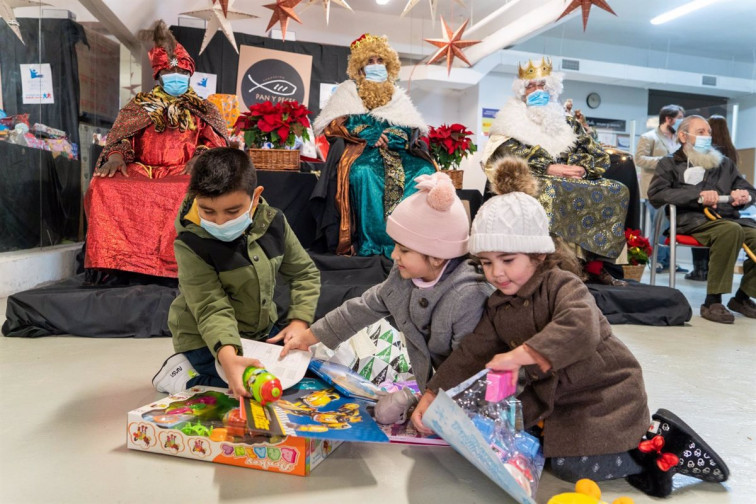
x,y
365,37
532,72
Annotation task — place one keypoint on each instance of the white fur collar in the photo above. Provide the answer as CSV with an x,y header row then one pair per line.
x,y
512,121
345,101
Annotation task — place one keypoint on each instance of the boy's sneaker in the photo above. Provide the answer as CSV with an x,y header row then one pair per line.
x,y
172,377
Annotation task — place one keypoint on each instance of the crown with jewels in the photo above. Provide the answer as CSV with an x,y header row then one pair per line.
x,y
365,37
532,72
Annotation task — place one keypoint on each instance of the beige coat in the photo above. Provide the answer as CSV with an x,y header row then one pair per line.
x,y
652,146
593,400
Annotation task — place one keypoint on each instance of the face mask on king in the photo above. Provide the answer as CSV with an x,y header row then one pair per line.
x,y
376,73
538,98
229,230
175,84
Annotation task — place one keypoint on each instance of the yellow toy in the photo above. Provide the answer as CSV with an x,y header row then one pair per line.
x,y
586,492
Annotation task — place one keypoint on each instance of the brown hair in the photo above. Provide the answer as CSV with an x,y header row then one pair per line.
x,y
563,258
720,137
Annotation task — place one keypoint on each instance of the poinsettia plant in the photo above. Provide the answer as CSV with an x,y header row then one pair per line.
x,y
638,247
449,144
278,124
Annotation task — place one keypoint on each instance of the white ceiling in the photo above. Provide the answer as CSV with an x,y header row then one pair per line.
x,y
723,31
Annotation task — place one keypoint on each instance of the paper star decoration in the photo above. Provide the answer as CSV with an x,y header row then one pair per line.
x,y
586,6
327,6
282,11
224,6
431,3
6,12
217,21
451,45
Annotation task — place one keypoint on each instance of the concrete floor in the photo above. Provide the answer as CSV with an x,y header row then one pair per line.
x,y
63,430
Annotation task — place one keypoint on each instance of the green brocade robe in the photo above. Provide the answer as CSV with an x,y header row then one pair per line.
x,y
588,212
379,179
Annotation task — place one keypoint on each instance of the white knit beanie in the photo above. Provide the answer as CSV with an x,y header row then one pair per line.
x,y
512,223
432,221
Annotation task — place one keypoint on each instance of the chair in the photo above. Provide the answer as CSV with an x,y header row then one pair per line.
x,y
673,241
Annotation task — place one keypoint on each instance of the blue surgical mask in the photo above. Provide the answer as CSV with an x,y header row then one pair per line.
x,y
175,84
676,125
538,98
229,230
376,73
703,144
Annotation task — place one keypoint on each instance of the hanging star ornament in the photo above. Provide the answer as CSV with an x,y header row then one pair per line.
x,y
282,11
586,6
217,21
224,6
451,45
6,13
327,6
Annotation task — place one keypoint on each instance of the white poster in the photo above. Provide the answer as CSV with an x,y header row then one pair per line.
x,y
326,90
37,83
204,84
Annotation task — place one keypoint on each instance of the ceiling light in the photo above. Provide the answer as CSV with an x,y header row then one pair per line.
x,y
681,11
382,2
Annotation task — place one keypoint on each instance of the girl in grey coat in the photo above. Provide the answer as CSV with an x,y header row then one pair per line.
x,y
434,293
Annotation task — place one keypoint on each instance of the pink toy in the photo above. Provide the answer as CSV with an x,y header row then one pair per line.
x,y
499,385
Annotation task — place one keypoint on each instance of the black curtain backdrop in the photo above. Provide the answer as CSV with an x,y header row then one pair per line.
x,y
329,63
46,41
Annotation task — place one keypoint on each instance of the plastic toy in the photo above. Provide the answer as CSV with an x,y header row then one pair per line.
x,y
586,492
264,387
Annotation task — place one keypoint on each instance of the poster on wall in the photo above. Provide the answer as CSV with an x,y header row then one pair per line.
x,y
270,75
488,115
204,84
37,83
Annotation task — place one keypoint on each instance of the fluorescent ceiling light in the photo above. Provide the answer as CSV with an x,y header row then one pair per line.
x,y
681,11
382,2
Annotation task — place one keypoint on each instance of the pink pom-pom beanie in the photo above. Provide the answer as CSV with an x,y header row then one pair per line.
x,y
432,221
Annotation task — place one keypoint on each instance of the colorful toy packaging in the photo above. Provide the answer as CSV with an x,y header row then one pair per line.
x,y
482,420
205,423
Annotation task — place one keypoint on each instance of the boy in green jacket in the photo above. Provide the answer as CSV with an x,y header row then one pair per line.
x,y
229,248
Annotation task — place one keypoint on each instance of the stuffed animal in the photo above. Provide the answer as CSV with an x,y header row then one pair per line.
x,y
586,492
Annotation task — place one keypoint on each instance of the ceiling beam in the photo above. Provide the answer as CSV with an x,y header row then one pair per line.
x,y
114,25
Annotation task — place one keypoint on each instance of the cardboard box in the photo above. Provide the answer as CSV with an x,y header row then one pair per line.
x,y
150,429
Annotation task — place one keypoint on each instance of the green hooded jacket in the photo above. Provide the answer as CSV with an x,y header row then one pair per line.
x,y
226,288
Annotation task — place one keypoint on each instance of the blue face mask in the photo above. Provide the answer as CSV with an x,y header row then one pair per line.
x,y
538,98
175,84
376,73
676,125
703,144
229,230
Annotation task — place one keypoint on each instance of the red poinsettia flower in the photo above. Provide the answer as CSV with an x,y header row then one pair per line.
x,y
638,247
275,123
449,144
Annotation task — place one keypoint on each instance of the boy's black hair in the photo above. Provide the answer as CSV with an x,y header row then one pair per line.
x,y
222,170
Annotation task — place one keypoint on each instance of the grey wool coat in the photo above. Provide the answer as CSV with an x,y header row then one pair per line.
x,y
593,400
433,320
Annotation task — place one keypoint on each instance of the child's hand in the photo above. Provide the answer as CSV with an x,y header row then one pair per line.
x,y
234,366
511,361
295,338
417,415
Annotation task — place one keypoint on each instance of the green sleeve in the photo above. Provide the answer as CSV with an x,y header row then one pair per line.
x,y
302,276
587,153
206,300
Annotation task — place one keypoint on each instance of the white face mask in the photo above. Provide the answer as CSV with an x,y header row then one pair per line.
x,y
229,230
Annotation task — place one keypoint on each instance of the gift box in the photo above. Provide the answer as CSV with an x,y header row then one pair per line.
x,y
204,423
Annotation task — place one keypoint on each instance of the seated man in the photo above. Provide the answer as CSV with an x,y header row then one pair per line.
x,y
379,155
140,177
693,179
585,209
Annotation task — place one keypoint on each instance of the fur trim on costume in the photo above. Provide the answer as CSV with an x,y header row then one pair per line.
x,y
706,160
345,101
513,121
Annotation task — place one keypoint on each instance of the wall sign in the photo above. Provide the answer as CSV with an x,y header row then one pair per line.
x,y
607,124
204,84
37,83
266,74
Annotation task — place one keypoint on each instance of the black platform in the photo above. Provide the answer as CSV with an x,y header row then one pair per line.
x,y
141,311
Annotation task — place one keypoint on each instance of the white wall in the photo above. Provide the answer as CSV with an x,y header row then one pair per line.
x,y
746,132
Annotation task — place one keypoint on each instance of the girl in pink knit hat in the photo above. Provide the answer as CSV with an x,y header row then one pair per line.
x,y
434,293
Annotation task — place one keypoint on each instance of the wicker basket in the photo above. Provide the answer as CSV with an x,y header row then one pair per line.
x,y
633,271
456,177
275,159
